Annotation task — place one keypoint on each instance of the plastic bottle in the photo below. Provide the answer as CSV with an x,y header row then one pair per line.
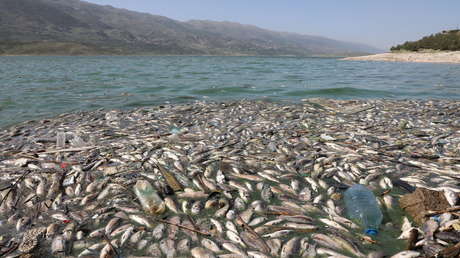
x,y
149,198
60,139
361,205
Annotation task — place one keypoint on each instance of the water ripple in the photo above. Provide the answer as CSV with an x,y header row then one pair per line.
x,y
37,87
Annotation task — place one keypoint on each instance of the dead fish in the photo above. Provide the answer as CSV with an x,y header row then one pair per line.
x,y
333,224
254,241
141,245
188,224
196,208
212,203
183,246
268,177
345,221
107,252
278,233
92,250
141,220
304,245
451,196
231,226
120,230
326,241
220,177
275,246
60,216
98,233
199,252
158,231
406,254
51,230
211,245
41,188
313,184
22,223
225,206
58,245
389,201
432,249
305,194
452,236
218,226
256,221
172,229
233,236
239,204
346,245
91,188
170,179
376,254
154,250
290,248
136,237
126,235
256,254
429,227
167,247
111,225
233,248
191,194
330,253
318,199
303,227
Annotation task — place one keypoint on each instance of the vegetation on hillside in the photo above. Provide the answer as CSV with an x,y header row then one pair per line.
x,y
53,48
446,40
77,27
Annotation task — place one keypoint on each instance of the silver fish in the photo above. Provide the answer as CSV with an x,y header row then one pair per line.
x,y
199,252
183,246
406,254
126,235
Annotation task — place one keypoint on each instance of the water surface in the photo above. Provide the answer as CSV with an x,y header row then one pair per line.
x,y
38,87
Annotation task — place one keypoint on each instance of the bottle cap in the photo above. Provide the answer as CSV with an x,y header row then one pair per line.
x,y
371,231
436,218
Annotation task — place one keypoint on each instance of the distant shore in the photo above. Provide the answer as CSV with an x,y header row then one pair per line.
x,y
418,57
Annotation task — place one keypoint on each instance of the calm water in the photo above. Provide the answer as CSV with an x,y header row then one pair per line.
x,y
37,87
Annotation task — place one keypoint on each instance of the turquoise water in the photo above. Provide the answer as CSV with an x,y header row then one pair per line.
x,y
38,87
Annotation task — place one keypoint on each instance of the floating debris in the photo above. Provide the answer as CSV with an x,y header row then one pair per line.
x,y
238,179
422,201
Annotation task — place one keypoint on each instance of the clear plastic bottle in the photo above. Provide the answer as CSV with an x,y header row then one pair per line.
x,y
149,198
362,206
60,139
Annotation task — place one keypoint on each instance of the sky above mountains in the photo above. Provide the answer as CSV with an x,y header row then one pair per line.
x,y
378,23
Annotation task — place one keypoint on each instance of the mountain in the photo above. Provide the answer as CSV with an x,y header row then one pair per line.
x,y
77,27
446,40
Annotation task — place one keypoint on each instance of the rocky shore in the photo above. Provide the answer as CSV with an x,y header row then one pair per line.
x,y
233,179
419,57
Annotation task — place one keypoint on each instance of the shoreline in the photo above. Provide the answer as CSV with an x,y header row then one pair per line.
x,y
170,55
452,57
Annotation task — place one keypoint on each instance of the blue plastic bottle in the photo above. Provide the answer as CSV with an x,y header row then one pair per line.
x,y
362,206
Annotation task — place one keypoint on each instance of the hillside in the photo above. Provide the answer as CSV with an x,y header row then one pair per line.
x,y
79,28
446,40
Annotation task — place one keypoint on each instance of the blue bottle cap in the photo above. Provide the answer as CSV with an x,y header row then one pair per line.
x,y
436,218
371,232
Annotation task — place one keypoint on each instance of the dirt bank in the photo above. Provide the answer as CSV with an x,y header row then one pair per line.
x,y
423,57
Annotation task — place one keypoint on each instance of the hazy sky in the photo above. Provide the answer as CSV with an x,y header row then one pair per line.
x,y
380,23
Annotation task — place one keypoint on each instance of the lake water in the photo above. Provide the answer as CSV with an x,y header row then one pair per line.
x,y
38,87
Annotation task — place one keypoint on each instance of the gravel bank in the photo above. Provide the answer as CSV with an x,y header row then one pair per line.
x,y
435,57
